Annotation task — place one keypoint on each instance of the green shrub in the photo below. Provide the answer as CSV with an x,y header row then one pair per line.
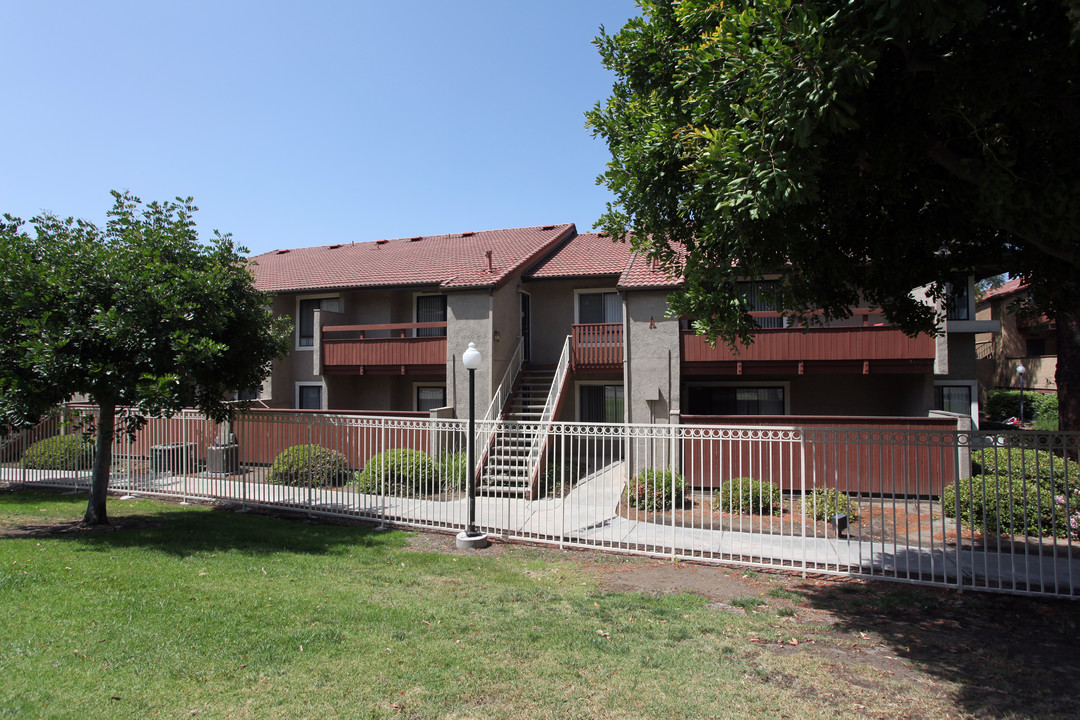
x,y
309,464
1046,412
826,503
399,470
1003,404
60,452
453,470
746,495
1033,464
1003,504
656,490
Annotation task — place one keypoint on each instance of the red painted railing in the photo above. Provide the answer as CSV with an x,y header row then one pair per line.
x,y
814,344
357,351
871,455
597,345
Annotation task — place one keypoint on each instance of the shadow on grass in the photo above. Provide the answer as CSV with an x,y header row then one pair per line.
x,y
1010,656
184,531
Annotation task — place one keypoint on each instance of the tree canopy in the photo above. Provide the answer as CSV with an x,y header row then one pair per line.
x,y
139,316
858,150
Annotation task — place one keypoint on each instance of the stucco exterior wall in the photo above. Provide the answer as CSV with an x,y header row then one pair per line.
x,y
552,304
468,320
652,361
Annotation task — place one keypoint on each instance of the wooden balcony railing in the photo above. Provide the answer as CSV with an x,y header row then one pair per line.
x,y
882,345
402,348
597,346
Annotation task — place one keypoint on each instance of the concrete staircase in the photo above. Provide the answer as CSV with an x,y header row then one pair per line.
x,y
507,472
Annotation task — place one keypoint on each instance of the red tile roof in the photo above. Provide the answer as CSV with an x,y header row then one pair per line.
x,y
592,255
1013,286
449,261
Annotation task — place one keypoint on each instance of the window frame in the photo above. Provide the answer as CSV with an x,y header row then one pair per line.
x,y
785,386
306,383
417,386
578,292
594,383
296,316
432,332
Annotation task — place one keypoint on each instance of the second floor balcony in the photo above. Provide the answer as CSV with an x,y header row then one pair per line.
x,y
855,349
596,346
386,349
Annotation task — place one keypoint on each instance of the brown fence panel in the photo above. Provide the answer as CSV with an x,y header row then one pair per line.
x,y
890,456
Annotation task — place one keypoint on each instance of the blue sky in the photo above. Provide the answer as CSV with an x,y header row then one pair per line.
x,y
310,123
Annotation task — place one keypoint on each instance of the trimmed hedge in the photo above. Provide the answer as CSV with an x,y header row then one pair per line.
x,y
656,490
824,504
400,470
746,495
1004,404
60,452
309,464
1016,491
1033,464
1010,505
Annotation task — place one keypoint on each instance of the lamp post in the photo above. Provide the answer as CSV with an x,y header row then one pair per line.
x,y
1020,370
472,538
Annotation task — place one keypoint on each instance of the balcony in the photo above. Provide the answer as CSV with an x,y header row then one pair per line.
x,y
396,349
596,347
819,350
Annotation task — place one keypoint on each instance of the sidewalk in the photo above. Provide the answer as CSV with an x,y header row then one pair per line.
x,y
588,516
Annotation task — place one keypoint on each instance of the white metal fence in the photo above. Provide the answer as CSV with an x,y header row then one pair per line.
x,y
988,511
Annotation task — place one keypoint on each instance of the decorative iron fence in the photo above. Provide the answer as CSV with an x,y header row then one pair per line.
x,y
988,511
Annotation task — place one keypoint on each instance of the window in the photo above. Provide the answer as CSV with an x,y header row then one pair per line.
x,y
1035,347
309,397
431,308
735,400
254,393
758,294
305,317
956,305
601,403
599,307
953,398
429,397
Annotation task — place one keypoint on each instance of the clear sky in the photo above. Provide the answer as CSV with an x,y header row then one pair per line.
x,y
308,123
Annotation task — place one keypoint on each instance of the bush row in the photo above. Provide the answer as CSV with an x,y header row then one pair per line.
x,y
60,452
1042,408
411,471
1018,492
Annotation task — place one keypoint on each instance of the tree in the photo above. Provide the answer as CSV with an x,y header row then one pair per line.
x,y
140,317
857,149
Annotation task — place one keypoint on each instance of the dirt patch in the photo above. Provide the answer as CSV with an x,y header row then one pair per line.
x,y
67,527
988,655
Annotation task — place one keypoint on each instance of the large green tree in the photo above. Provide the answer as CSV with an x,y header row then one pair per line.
x,y
858,149
141,317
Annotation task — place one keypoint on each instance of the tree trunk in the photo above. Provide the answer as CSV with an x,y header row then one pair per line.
x,y
1068,370
99,478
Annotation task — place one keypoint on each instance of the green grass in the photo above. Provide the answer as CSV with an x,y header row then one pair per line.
x,y
196,612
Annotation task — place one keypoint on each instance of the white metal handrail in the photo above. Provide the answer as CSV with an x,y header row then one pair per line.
x,y
561,368
495,407
502,392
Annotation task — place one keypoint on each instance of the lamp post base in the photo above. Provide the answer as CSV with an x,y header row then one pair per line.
x,y
465,541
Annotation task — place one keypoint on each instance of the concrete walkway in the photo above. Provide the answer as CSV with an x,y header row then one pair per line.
x,y
588,515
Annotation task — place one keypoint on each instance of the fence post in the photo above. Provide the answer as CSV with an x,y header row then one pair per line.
x,y
802,490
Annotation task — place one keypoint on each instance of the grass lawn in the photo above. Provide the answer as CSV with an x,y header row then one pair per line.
x,y
190,611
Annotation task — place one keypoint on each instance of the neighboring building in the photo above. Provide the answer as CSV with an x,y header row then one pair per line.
x,y
382,325
1023,340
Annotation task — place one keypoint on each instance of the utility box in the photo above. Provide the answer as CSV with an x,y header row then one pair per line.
x,y
176,458
223,459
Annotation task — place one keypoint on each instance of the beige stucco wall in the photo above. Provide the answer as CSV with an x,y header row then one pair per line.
x,y
553,313
651,349
468,320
